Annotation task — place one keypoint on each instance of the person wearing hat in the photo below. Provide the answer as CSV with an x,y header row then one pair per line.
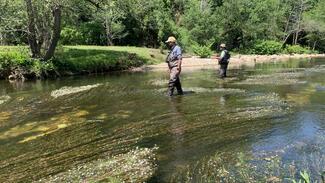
x,y
174,61
223,60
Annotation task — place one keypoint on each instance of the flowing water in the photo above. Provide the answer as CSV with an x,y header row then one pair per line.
x,y
272,110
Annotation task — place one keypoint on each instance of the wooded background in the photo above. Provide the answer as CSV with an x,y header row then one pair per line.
x,y
241,24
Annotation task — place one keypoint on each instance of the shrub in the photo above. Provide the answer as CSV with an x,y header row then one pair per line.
x,y
70,36
11,61
297,49
202,51
266,48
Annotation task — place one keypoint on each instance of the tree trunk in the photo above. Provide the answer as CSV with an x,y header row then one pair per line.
x,y
108,32
314,46
287,26
301,10
32,38
56,33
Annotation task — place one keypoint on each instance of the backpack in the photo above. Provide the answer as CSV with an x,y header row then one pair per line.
x,y
225,59
227,56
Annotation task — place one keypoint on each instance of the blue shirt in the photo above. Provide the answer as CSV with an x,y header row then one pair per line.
x,y
174,55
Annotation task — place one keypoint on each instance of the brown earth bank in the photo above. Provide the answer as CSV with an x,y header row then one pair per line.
x,y
237,61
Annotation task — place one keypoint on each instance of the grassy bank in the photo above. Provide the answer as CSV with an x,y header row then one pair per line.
x,y
75,60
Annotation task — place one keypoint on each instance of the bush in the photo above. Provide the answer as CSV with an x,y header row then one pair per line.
x,y
20,62
266,48
297,49
202,51
95,60
70,36
11,59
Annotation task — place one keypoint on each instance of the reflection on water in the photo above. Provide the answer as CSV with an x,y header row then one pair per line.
x,y
254,125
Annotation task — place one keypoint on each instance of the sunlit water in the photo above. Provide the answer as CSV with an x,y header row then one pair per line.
x,y
47,127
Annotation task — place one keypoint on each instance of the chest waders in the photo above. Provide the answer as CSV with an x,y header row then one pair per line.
x,y
174,80
224,64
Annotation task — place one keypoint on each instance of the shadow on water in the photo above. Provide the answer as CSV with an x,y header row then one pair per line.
x,y
273,113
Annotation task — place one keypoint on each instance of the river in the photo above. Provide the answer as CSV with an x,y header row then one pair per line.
x,y
261,123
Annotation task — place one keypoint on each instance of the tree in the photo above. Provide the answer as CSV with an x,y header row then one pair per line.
x,y
201,22
314,24
295,13
12,22
42,17
239,23
110,15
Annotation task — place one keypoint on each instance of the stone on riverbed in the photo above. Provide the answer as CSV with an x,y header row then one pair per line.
x,y
72,90
135,166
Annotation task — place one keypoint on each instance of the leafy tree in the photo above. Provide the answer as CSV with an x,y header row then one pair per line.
x,y
42,17
110,15
12,22
314,24
195,23
201,22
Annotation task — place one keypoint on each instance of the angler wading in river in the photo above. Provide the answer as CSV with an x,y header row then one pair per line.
x,y
174,61
223,61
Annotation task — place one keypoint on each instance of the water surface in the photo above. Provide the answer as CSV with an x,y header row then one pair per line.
x,y
275,109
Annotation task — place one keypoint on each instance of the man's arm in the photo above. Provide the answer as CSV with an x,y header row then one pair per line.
x,y
179,58
180,64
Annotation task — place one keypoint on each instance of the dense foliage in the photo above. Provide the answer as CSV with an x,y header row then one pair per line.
x,y
17,63
239,23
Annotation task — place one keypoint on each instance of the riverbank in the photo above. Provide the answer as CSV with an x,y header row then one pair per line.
x,y
237,61
16,64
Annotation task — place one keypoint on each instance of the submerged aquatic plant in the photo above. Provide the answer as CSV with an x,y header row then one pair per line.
x,y
234,167
274,79
210,90
71,90
5,116
137,165
4,99
46,127
159,82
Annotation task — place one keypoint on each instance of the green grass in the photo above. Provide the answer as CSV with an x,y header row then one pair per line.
x,y
80,59
153,56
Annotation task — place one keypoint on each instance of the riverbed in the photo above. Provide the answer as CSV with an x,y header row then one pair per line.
x,y
265,122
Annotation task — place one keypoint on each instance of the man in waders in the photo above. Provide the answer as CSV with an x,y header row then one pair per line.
x,y
174,61
223,61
